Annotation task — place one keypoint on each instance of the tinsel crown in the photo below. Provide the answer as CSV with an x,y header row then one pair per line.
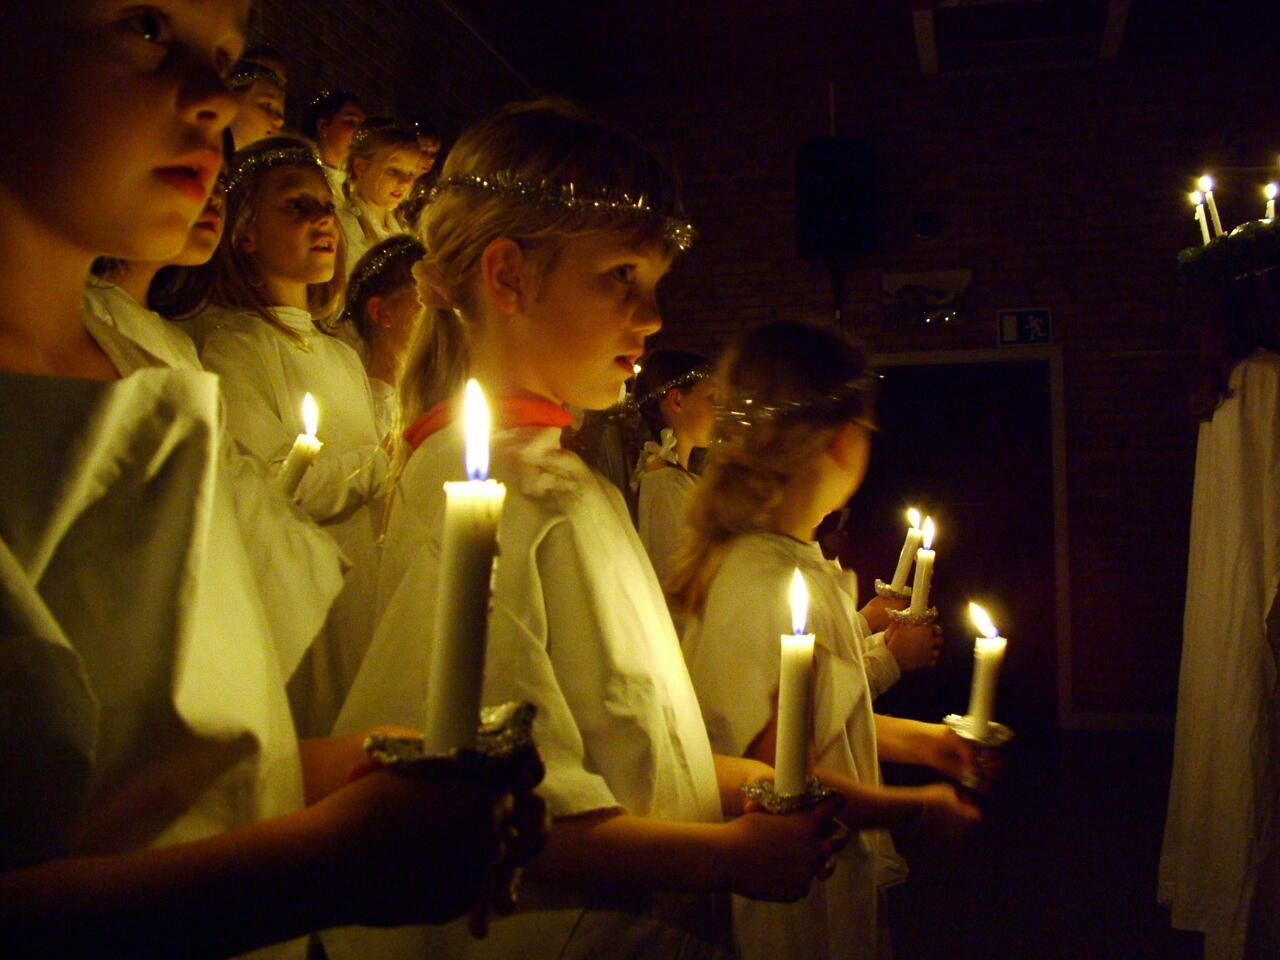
x,y
1250,248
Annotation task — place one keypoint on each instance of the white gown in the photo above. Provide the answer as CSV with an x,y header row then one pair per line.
x,y
264,377
161,340
143,701
578,627
362,228
663,498
733,650
1221,836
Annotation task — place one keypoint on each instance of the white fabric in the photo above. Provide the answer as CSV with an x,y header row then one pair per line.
x,y
264,377
579,628
297,567
142,701
161,341
881,665
362,227
336,177
384,404
664,498
1223,805
733,649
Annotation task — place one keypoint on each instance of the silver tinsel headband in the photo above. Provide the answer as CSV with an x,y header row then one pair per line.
x,y
370,268
398,129
675,383
679,232
250,163
745,410
247,72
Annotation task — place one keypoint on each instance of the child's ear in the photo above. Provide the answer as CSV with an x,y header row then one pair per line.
x,y
248,242
377,314
502,274
845,443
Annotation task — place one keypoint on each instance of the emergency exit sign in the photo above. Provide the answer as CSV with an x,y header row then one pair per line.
x,y
1026,326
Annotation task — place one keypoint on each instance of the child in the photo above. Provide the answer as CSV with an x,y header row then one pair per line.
x,y
331,121
381,166
278,271
674,393
261,112
383,308
154,789
546,240
793,445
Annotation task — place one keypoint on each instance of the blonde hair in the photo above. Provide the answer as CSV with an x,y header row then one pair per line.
x,y
784,390
373,136
238,281
549,143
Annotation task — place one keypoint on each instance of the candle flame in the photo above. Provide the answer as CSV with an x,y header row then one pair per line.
x,y
982,621
1196,197
310,415
1205,183
476,422
635,368
799,603
913,518
929,530
1270,191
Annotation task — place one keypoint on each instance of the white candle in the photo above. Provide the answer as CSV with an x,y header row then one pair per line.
x,y
1198,199
924,571
988,653
1205,183
791,759
304,449
1269,191
470,541
909,547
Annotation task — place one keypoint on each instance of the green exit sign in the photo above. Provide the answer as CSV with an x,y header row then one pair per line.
x,y
1026,326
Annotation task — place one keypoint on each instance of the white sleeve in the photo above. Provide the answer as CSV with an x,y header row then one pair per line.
x,y
881,665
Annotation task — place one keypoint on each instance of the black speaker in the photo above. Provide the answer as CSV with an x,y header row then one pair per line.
x,y
835,199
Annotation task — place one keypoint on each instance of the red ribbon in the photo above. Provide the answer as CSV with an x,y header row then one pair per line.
x,y
516,411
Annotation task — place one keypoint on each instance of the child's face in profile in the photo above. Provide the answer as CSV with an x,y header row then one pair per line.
x,y
586,325
386,177
696,417
292,235
261,114
125,104
206,232
335,133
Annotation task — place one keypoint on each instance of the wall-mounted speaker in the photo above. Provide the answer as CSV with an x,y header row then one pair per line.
x,y
835,199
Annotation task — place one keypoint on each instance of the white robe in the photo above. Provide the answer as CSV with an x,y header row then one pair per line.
x,y
264,377
362,227
142,700
733,650
663,498
161,340
1224,808
578,627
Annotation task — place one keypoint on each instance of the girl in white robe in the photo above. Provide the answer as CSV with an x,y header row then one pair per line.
x,y
276,268
546,294
382,164
1220,862
154,789
793,446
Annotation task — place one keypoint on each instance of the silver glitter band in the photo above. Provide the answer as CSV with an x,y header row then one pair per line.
x,y
247,72
388,251
679,232
250,163
748,411
675,383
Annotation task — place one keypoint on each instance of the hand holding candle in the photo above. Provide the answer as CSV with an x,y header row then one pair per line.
x,y
791,759
304,449
469,543
908,554
988,653
924,571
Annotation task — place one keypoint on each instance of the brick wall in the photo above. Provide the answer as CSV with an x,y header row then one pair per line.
x,y
1059,187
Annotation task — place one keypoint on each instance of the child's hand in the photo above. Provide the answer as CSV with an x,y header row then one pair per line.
x,y
876,612
948,753
401,849
944,812
914,647
776,856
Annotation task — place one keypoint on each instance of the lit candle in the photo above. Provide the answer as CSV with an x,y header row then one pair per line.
x,y
909,547
1198,199
1205,183
988,653
470,541
791,760
924,571
1269,191
304,449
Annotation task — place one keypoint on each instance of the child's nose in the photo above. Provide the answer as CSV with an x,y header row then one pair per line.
x,y
647,318
204,99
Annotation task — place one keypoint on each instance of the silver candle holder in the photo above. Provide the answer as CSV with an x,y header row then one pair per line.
x,y
989,751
